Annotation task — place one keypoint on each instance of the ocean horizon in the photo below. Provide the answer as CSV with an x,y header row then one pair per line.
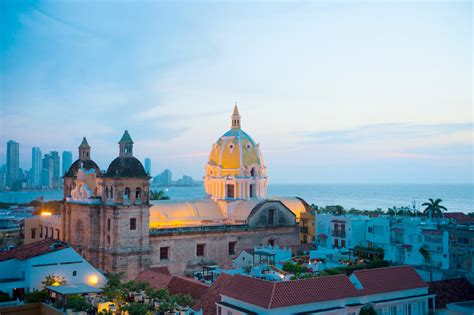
x,y
456,197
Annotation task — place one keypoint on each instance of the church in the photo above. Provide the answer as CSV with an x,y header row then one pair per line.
x,y
109,219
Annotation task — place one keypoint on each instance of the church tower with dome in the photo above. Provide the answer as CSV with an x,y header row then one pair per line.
x,y
235,170
106,214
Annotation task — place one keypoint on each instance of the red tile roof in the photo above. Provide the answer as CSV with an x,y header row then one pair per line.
x,y
34,249
207,302
156,277
459,217
389,279
451,291
270,295
182,285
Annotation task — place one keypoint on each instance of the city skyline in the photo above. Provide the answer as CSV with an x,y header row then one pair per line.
x,y
396,109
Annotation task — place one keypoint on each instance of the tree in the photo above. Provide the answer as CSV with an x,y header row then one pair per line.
x,y
433,208
53,279
158,195
367,310
184,300
135,308
36,296
78,303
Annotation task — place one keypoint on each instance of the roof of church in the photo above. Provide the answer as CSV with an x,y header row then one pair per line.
x,y
85,164
126,166
208,300
126,137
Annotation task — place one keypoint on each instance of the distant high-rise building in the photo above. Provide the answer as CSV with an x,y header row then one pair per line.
x,y
163,179
148,166
13,162
56,179
47,171
3,175
67,161
36,167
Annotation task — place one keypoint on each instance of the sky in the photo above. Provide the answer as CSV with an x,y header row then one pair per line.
x,y
334,91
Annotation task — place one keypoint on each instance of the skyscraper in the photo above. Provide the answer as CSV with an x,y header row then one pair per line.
x,y
36,167
67,161
13,162
56,179
148,166
47,171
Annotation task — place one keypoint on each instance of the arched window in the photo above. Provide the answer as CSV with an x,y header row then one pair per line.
x,y
252,172
107,192
138,193
271,216
111,192
127,193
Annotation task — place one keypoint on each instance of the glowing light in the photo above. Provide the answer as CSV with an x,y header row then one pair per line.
x,y
93,279
55,284
46,213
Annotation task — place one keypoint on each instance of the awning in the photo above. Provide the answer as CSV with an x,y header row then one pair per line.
x,y
69,289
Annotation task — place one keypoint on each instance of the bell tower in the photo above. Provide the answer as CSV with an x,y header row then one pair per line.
x,y
84,150
236,118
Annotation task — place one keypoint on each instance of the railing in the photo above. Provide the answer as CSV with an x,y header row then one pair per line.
x,y
337,233
194,229
10,303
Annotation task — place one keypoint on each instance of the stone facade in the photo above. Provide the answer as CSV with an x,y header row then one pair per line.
x,y
182,246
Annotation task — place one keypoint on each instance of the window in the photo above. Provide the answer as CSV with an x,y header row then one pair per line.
x,y
343,243
133,224
463,240
74,273
108,240
305,239
219,310
111,192
200,250
230,191
252,191
126,195
107,192
271,216
57,234
271,242
108,224
41,231
232,248
138,193
164,253
33,234
46,232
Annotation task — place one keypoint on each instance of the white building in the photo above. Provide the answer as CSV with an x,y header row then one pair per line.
x,y
340,231
393,290
24,268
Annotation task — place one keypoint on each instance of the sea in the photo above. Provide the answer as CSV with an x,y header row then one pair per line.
x,y
456,197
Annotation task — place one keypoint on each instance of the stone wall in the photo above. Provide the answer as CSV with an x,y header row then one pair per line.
x,y
183,246
282,216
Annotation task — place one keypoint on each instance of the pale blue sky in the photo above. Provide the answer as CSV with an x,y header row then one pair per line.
x,y
333,91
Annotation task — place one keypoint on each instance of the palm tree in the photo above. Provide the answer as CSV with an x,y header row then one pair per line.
x,y
433,208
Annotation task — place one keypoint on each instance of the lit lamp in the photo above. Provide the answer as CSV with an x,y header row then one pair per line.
x,y
46,213
93,279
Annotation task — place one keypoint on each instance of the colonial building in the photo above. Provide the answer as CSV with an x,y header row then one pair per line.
x,y
108,217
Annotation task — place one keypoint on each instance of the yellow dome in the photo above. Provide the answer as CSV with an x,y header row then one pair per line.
x,y
233,151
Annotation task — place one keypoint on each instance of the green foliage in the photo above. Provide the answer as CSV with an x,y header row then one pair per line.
x,y
105,312
36,296
52,279
135,308
425,253
434,208
78,303
367,310
4,297
185,300
293,268
158,195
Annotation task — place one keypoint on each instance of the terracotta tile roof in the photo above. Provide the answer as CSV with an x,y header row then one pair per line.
x,y
208,300
182,285
459,217
162,269
451,291
389,279
156,277
34,249
268,294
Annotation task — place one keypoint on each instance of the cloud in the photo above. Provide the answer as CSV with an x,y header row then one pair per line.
x,y
386,132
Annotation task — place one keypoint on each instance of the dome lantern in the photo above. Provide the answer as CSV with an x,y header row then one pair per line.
x,y
126,145
236,118
84,150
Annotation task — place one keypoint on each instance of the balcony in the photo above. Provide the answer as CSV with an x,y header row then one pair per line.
x,y
337,233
